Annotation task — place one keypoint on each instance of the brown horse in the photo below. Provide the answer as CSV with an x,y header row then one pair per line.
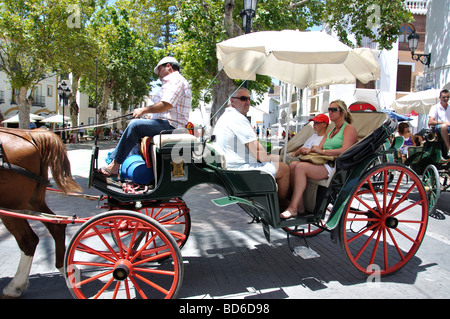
x,y
35,151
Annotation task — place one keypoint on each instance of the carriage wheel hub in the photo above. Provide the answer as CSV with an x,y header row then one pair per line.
x,y
391,222
122,269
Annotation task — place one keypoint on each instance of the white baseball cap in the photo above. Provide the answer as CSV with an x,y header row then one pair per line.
x,y
167,59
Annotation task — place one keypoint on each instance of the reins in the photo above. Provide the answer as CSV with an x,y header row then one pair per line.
x,y
104,123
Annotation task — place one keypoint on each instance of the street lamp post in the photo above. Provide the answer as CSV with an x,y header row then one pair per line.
x,y
413,43
247,15
64,94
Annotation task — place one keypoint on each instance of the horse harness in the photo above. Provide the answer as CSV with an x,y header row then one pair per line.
x,y
5,165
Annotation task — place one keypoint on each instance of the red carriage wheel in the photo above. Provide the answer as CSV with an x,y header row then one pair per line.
x,y
118,254
385,220
173,215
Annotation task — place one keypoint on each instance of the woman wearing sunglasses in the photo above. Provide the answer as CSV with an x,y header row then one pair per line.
x,y
337,141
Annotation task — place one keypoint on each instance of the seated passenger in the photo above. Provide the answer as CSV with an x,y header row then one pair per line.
x,y
439,118
338,140
403,130
321,122
241,148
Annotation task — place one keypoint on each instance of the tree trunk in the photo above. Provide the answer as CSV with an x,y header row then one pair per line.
x,y
107,87
123,122
221,93
24,108
74,109
225,86
232,29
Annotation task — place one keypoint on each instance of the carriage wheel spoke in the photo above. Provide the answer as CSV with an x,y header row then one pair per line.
x,y
363,248
151,283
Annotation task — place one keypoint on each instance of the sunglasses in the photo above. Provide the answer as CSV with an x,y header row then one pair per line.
x,y
242,98
445,97
333,109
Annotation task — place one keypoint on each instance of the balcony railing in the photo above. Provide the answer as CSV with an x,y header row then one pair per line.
x,y
38,100
417,6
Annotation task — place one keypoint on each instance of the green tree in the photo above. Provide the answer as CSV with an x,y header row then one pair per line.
x,y
29,34
133,82
124,59
153,19
81,49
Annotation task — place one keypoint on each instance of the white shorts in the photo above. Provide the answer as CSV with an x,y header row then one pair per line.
x,y
267,167
329,169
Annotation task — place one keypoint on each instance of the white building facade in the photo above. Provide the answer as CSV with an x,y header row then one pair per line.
x,y
47,101
437,43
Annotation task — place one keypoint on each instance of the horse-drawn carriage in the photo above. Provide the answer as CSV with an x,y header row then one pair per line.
x,y
431,162
377,212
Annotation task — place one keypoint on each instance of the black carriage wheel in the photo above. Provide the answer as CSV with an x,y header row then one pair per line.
x,y
432,184
109,258
383,226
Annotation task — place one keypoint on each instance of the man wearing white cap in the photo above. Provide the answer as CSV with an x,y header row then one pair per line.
x,y
170,110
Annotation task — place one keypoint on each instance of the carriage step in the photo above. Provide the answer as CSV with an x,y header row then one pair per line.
x,y
229,200
297,220
305,252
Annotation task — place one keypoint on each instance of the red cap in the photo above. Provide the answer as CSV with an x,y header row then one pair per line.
x,y
321,118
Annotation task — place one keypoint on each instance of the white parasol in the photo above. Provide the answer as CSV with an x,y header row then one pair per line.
x,y
56,119
312,59
15,118
420,102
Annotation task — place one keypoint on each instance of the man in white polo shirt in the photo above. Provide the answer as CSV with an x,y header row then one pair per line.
x,y
439,118
241,148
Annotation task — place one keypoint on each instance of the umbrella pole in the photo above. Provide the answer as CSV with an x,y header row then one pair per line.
x,y
286,138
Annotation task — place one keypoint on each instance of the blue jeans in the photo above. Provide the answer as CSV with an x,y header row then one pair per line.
x,y
136,130
437,128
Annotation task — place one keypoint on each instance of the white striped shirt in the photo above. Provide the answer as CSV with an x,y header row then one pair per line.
x,y
176,91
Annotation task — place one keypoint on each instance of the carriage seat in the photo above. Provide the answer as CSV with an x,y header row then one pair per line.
x,y
149,145
323,182
213,155
164,139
